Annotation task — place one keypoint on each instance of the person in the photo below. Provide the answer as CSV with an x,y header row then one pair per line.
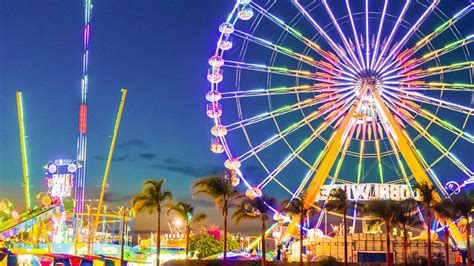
x,y
278,256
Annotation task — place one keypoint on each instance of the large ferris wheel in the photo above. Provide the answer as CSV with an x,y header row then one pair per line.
x,y
305,94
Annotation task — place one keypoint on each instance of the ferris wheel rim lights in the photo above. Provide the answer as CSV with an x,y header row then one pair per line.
x,y
355,65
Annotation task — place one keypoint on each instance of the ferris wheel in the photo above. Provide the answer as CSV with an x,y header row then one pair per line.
x,y
305,94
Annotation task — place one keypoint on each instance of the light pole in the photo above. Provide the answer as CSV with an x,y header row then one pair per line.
x,y
122,211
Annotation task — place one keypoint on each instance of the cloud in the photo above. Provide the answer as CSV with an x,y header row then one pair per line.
x,y
175,165
149,156
112,197
200,201
132,144
118,158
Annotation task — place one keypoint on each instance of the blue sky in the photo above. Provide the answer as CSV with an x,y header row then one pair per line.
x,y
158,50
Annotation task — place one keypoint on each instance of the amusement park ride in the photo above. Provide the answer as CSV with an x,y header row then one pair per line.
x,y
373,96
61,221
369,95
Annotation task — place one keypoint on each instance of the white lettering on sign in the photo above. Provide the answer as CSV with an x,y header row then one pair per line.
x,y
370,191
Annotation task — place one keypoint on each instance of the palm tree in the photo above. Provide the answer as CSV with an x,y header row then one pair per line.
x,y
427,203
151,199
339,202
185,212
225,196
404,217
445,212
462,206
386,211
296,207
258,207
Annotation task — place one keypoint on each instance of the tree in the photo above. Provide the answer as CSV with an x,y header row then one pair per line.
x,y
257,208
185,212
339,202
445,212
225,196
296,207
151,199
203,244
462,205
405,216
427,203
385,211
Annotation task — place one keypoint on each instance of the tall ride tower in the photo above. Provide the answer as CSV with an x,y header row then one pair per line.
x,y
82,139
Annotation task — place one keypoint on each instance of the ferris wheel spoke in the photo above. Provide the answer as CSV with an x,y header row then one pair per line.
x,y
268,115
324,99
433,86
432,71
405,55
343,38
411,64
377,41
316,88
444,151
321,31
406,105
322,65
312,117
306,74
418,97
367,42
392,33
443,69
295,153
315,47
395,50
354,31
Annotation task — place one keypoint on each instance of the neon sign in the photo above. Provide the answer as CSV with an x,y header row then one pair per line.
x,y
60,176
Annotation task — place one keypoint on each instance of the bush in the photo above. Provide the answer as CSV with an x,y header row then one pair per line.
x,y
329,261
203,245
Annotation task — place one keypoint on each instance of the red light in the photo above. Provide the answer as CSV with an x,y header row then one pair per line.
x,y
83,118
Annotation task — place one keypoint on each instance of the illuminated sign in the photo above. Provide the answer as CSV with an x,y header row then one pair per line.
x,y
60,185
364,192
60,176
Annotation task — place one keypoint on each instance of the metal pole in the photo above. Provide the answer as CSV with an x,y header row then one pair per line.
x,y
122,240
24,158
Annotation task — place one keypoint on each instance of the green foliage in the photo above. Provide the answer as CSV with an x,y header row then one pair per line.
x,y
185,212
384,210
204,245
221,191
151,197
405,214
253,209
296,206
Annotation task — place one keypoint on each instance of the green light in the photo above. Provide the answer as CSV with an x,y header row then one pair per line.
x,y
381,173
453,44
359,170
440,28
285,49
296,32
284,108
278,89
282,69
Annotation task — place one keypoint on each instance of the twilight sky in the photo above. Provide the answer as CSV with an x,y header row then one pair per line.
x,y
158,50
